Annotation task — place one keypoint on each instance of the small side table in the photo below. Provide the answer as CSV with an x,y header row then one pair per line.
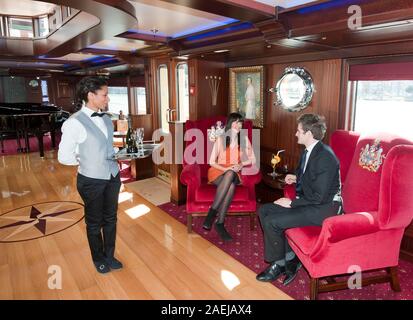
x,y
269,189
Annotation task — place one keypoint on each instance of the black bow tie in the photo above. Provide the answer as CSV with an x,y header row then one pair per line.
x,y
98,114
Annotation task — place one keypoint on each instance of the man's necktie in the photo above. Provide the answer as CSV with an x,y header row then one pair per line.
x,y
298,186
98,114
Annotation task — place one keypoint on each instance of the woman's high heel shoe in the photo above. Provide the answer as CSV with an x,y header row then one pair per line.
x,y
222,232
212,213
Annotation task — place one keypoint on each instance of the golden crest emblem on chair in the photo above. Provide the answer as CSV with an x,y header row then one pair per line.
x,y
371,157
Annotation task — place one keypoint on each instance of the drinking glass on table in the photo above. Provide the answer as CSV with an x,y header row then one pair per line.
x,y
139,137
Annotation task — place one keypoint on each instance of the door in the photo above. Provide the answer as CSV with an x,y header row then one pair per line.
x,y
163,106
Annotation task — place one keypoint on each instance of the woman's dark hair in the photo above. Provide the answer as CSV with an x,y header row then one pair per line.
x,y
86,85
235,116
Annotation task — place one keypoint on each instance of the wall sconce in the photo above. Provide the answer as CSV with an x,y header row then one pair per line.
x,y
214,86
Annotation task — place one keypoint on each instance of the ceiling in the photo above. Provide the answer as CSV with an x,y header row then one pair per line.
x,y
25,7
285,3
131,30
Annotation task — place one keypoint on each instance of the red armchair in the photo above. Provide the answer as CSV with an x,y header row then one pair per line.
x,y
200,194
378,208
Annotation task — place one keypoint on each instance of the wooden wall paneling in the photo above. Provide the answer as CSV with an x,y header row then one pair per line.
x,y
204,106
131,98
345,90
178,190
33,94
193,85
1,89
144,121
148,84
143,168
292,56
280,125
14,89
152,100
65,100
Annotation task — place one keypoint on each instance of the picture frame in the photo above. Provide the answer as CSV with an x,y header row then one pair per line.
x,y
246,88
63,89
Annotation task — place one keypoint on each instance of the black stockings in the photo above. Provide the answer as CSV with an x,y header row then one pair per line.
x,y
226,184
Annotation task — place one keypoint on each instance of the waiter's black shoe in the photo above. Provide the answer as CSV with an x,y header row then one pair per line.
x,y
212,213
102,267
272,273
114,264
291,270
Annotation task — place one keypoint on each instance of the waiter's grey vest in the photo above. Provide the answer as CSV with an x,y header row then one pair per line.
x,y
96,151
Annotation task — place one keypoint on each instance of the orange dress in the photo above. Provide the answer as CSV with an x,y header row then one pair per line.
x,y
230,157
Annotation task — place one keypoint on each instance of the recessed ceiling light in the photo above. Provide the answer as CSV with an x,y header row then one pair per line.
x,y
323,38
269,46
220,51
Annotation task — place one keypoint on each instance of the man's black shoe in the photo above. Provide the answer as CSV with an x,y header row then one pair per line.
x,y
101,267
272,273
291,270
212,213
114,264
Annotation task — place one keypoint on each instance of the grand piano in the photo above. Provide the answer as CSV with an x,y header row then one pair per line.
x,y
20,121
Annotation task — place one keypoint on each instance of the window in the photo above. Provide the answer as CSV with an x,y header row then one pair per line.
x,y
384,106
2,33
118,100
163,92
45,92
21,27
43,26
140,99
183,91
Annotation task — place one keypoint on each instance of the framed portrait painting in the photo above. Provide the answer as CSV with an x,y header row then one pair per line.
x,y
247,93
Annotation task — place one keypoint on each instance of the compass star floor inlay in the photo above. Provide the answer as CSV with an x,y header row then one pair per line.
x,y
39,220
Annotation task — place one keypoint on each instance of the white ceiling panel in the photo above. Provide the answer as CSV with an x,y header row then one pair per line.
x,y
285,3
25,7
173,20
76,57
119,44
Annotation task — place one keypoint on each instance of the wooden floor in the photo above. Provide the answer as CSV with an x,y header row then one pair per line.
x,y
161,260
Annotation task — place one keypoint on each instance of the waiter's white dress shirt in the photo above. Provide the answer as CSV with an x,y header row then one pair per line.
x,y
73,133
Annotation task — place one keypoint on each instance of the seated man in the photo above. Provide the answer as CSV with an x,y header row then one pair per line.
x,y
317,198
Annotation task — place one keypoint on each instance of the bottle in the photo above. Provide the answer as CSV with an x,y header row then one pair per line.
x,y
130,141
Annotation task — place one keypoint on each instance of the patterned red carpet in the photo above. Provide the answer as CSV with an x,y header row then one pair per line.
x,y
247,248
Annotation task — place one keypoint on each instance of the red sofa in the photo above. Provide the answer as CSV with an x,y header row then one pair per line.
x,y
200,194
378,207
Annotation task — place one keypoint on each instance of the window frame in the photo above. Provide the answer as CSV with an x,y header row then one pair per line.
x,y
177,88
160,96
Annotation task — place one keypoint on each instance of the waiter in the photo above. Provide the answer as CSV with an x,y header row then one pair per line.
x,y
87,141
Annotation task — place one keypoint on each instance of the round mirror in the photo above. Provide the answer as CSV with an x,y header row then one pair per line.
x,y
294,89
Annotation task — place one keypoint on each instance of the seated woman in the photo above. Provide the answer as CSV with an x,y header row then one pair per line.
x,y
226,166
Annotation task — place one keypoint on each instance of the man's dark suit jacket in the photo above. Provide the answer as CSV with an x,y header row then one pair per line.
x,y
321,179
